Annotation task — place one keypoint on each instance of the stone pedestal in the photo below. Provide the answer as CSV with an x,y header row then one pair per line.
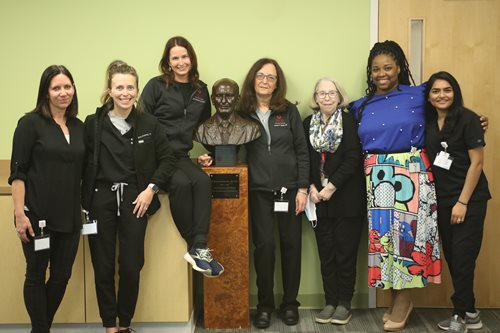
x,y
226,298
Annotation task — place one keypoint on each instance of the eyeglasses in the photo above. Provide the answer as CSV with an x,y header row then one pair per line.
x,y
270,77
322,94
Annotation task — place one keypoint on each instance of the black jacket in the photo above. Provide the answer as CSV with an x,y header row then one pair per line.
x,y
344,169
153,157
285,162
180,120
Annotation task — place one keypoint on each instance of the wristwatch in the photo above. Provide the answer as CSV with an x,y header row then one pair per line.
x,y
154,188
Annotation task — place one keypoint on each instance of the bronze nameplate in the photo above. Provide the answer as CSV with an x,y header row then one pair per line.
x,y
225,185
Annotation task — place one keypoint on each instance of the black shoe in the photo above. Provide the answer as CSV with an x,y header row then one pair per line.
x,y
262,319
291,317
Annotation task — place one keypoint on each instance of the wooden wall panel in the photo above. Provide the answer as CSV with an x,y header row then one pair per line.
x,y
462,37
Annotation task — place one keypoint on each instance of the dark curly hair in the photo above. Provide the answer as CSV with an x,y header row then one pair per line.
x,y
392,49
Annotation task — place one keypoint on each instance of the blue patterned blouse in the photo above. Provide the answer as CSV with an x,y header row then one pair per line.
x,y
393,122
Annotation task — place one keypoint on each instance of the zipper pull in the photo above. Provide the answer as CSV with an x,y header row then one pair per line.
x,y
185,113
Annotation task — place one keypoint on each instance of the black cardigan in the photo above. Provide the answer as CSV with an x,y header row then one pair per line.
x,y
153,157
344,168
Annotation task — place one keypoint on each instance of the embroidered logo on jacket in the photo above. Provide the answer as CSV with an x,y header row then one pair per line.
x,y
280,121
198,96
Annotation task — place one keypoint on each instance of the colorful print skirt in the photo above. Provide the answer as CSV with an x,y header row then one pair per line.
x,y
403,239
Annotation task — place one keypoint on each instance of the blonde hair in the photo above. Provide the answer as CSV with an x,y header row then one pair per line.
x,y
116,67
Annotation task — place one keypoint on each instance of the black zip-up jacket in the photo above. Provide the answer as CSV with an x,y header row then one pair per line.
x,y
179,119
344,169
153,157
283,163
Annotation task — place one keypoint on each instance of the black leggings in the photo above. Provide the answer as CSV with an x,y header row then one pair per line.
x,y
190,195
42,298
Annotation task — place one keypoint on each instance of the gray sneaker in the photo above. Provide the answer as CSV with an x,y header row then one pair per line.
x,y
325,316
341,316
472,321
457,325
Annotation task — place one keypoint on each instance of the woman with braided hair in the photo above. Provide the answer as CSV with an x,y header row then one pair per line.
x,y
403,250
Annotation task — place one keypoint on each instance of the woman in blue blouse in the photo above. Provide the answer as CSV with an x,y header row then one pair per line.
x,y
403,250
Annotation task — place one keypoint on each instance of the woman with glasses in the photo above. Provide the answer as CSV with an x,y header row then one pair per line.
x,y
338,191
455,141
278,164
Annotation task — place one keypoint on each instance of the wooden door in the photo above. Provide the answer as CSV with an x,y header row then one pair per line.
x,y
463,38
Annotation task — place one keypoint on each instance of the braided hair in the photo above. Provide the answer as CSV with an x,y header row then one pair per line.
x,y
392,49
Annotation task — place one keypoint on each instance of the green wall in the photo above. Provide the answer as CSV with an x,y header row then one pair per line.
x,y
310,39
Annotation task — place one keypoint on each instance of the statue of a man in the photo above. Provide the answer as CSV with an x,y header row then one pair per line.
x,y
226,127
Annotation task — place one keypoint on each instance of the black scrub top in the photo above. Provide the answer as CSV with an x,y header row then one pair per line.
x,y
467,134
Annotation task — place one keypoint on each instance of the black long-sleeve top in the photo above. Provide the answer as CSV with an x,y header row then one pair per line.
x,y
179,116
51,170
344,169
153,157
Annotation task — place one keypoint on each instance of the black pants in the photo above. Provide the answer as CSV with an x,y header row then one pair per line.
x,y
190,194
338,241
289,225
131,232
42,298
461,246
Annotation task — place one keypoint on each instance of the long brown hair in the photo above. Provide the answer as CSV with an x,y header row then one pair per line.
x,y
42,103
164,65
248,100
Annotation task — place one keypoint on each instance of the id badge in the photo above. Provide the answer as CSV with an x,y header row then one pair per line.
x,y
324,182
281,206
414,167
443,160
42,243
89,228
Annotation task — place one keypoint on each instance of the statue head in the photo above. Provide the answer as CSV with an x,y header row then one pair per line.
x,y
225,97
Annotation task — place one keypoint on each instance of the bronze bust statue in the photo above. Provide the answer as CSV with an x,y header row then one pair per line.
x,y
226,127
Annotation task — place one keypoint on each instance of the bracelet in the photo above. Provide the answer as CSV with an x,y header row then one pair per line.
x,y
303,192
462,203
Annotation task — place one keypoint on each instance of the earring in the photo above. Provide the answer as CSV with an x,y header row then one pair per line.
x,y
169,68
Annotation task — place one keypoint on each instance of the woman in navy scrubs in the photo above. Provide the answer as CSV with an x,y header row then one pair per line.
x,y
455,142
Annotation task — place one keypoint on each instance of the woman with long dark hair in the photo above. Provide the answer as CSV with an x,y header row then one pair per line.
x,y
46,173
180,101
455,142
